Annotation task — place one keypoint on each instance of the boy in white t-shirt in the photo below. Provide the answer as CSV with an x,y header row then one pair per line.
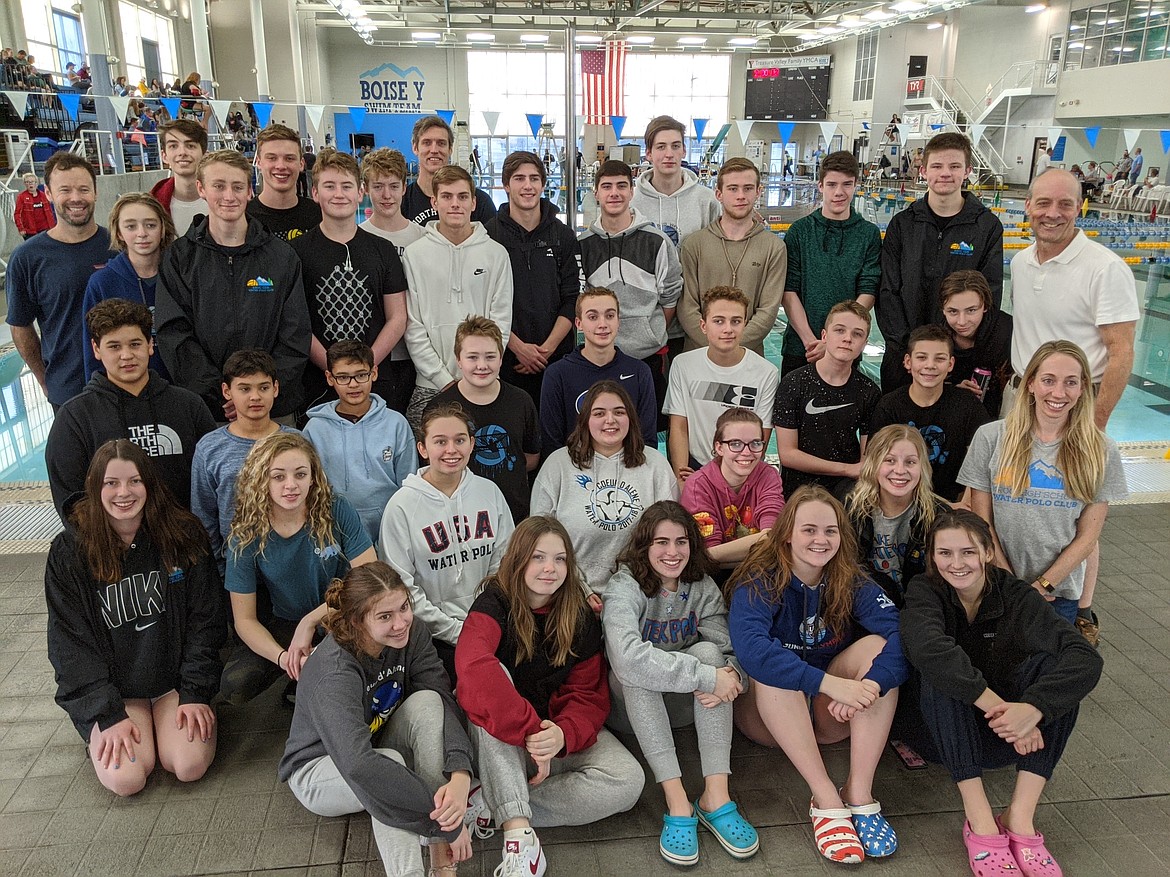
x,y
706,382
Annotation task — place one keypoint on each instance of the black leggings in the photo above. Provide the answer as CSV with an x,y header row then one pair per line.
x,y
967,746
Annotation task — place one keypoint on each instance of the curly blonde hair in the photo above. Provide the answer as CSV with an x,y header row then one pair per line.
x,y
252,522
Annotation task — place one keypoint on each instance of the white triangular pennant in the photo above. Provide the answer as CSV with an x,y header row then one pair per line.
x,y
580,120
314,112
903,134
19,100
120,105
221,108
491,119
744,127
977,133
1053,136
828,131
1131,136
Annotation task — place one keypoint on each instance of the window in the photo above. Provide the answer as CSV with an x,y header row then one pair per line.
x,y
686,86
70,42
53,33
515,84
863,73
1121,32
144,33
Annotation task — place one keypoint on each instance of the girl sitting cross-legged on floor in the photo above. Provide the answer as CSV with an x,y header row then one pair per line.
x,y
822,647
667,641
532,679
1002,681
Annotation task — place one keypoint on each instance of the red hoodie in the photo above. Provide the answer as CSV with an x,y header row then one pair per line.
x,y
33,212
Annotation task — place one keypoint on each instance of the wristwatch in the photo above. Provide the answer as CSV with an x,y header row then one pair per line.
x,y
1045,584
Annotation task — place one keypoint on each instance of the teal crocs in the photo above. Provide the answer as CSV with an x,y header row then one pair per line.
x,y
679,843
733,832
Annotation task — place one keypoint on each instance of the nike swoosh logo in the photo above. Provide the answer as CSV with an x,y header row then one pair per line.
x,y
813,408
142,627
624,377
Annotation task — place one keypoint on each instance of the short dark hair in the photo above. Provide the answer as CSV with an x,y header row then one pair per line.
x,y
277,131
611,167
114,313
963,281
67,161
452,173
249,361
515,160
349,349
842,161
723,293
189,128
948,140
931,332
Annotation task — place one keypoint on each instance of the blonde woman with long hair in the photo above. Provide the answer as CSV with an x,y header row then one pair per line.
x,y
291,536
821,645
1043,479
892,506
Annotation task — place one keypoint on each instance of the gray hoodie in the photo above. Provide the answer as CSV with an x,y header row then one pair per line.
x,y
685,212
641,266
645,636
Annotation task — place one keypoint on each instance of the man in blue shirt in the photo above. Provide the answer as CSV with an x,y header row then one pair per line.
x,y
47,278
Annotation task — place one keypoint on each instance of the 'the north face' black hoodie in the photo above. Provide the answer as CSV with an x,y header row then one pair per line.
x,y
164,420
546,275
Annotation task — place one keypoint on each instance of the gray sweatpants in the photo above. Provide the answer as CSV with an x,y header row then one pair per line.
x,y
653,714
581,788
413,737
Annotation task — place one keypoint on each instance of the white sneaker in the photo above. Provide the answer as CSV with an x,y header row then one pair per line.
x,y
522,858
478,818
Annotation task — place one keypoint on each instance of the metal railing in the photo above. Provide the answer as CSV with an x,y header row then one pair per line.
x,y
957,112
1024,74
140,149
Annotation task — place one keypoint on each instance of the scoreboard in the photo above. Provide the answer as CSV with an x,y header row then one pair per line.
x,y
788,89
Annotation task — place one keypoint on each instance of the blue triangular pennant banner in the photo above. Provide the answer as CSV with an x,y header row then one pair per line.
x,y
865,126
358,114
70,102
1091,135
700,127
172,105
535,120
1166,141
786,129
618,122
263,114
447,116
937,126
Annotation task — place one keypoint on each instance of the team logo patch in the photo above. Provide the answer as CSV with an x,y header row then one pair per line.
x,y
260,284
962,248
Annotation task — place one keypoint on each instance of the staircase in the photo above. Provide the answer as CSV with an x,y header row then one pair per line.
x,y
952,106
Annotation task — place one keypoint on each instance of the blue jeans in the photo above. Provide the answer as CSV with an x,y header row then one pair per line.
x,y
1065,608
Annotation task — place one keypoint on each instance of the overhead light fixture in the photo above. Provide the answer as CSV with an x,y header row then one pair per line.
x,y
934,25
587,38
691,41
829,30
640,40
743,41
907,6
1035,7
534,38
878,14
850,21
808,36
480,37
426,35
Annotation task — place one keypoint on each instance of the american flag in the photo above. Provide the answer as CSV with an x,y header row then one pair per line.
x,y
603,80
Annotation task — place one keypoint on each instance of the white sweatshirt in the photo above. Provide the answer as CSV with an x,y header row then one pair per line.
x,y
599,506
446,283
444,546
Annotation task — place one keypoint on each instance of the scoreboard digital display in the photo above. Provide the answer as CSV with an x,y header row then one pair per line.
x,y
784,89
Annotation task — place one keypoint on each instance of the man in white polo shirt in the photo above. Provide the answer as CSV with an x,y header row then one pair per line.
x,y
1066,286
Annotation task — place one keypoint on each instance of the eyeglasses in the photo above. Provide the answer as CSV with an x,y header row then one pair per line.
x,y
359,378
737,446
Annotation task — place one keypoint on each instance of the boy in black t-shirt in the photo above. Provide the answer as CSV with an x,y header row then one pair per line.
x,y
281,161
823,410
946,416
354,282
507,434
